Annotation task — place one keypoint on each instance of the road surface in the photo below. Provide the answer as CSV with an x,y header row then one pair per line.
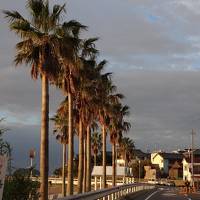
x,y
162,194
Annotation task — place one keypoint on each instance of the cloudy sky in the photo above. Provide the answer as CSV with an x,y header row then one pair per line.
x,y
153,49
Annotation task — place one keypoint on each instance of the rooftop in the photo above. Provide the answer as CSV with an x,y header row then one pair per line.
x,y
171,156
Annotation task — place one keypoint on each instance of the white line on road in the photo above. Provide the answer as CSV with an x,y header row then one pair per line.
x,y
151,195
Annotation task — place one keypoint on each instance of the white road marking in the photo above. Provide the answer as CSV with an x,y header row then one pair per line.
x,y
168,194
151,195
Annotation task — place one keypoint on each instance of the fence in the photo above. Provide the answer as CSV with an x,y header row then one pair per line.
x,y
110,193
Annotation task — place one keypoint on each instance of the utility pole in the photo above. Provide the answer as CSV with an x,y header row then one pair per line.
x,y
192,156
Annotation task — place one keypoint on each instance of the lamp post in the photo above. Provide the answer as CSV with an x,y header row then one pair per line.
x,y
31,156
192,156
139,169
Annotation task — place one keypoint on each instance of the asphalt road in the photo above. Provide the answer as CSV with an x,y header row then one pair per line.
x,y
162,194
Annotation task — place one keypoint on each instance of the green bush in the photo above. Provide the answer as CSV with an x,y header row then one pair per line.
x,y
20,187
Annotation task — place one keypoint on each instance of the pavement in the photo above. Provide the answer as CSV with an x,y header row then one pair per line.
x,y
162,193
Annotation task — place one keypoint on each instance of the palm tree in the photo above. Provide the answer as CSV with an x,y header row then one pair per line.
x,y
126,147
104,110
81,153
48,47
117,127
70,63
96,141
38,48
84,93
60,130
70,73
115,133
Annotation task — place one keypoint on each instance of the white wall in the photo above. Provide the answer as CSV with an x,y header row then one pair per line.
x,y
186,171
157,159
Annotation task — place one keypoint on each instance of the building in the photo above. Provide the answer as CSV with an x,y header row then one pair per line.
x,y
176,171
187,166
151,172
166,161
140,155
137,155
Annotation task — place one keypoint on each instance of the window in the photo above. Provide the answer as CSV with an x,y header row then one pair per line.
x,y
197,169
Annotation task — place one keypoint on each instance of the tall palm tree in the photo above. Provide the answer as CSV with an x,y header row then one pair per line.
x,y
115,133
69,73
96,141
38,48
81,154
126,147
116,128
60,129
84,93
103,88
106,88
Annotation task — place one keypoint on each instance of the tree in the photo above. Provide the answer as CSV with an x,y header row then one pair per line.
x,y
89,53
83,86
45,45
27,171
126,147
104,89
96,145
58,172
19,186
60,129
38,48
67,80
135,167
117,127
5,148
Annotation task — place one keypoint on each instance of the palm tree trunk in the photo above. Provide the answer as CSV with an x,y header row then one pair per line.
x,y
64,170
84,168
44,139
70,148
113,164
80,159
95,159
104,155
125,164
88,167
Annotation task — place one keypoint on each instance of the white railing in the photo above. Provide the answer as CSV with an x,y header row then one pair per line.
x,y
110,193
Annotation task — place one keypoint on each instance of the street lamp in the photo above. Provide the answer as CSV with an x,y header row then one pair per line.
x,y
139,169
31,156
192,157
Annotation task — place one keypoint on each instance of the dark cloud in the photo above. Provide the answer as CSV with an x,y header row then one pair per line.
x,y
134,34
165,106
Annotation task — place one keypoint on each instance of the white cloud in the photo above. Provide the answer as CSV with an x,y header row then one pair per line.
x,y
191,5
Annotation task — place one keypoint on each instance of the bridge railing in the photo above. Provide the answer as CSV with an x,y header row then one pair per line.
x,y
110,193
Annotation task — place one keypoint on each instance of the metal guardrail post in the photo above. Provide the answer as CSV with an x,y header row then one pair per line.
x,y
109,193
121,192
95,183
100,182
118,194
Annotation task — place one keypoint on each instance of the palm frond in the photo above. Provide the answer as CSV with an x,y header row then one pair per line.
x,y
13,15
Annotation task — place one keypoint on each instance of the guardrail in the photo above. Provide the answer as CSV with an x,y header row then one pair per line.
x,y
110,193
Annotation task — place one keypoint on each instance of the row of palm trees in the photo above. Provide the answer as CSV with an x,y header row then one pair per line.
x,y
56,53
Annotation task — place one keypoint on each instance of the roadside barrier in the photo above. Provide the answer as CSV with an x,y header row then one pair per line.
x,y
110,193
